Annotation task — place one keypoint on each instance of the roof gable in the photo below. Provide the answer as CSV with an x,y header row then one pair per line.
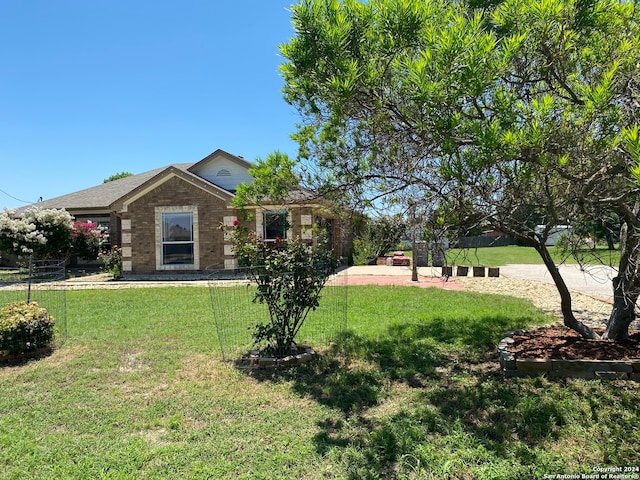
x,y
165,175
223,169
218,173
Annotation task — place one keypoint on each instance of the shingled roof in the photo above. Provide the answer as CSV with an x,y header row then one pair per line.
x,y
102,196
108,196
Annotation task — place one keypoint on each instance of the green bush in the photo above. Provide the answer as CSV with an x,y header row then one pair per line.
x,y
112,261
364,252
289,274
380,236
24,327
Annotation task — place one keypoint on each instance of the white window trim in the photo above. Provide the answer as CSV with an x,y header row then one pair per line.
x,y
196,244
260,222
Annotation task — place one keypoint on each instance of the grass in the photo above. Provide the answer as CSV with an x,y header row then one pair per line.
x,y
139,391
513,254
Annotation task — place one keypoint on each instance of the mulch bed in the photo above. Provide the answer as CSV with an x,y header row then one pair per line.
x,y
559,342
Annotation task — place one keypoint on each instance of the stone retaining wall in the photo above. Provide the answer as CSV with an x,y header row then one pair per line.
x,y
303,355
556,368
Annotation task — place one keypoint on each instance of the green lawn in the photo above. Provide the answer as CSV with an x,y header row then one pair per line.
x,y
499,256
139,391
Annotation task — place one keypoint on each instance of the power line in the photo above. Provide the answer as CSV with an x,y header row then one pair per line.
x,y
15,198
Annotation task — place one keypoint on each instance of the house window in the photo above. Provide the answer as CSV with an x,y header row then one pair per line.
x,y
275,225
177,238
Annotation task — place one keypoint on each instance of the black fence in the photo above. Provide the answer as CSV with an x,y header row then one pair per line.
x,y
236,312
481,241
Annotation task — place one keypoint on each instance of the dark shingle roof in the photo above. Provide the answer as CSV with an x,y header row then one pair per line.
x,y
101,196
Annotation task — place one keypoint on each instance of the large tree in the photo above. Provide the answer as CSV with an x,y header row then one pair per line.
x,y
518,114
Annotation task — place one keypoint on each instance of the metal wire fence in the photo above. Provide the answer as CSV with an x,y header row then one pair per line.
x,y
236,312
42,282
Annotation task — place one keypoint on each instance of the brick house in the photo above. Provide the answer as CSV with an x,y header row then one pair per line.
x,y
167,220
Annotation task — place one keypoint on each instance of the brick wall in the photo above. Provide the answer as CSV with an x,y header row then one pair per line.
x,y
141,218
135,229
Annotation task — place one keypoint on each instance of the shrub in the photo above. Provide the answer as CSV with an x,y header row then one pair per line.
x,y
112,261
289,275
85,239
364,252
380,236
47,233
24,327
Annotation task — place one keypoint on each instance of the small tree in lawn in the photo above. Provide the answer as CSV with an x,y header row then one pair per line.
x,y
290,275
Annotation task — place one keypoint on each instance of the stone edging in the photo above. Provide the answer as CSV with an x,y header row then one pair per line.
x,y
254,360
555,368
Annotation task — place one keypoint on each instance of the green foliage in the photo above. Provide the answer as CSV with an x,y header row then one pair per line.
x,y
112,261
85,240
48,233
273,180
40,232
24,327
380,235
117,176
513,113
289,275
364,251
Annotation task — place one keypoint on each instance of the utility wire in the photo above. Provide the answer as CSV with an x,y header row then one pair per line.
x,y
15,198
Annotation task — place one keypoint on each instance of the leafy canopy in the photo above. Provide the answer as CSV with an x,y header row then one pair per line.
x,y
510,114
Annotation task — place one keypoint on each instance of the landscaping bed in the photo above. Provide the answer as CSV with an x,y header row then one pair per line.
x,y
560,352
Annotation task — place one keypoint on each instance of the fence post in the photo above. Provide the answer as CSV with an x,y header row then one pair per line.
x,y
29,279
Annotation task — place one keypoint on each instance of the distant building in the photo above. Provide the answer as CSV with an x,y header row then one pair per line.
x,y
555,233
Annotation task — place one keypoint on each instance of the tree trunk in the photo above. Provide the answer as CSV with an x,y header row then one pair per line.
x,y
565,296
626,285
623,312
609,238
568,317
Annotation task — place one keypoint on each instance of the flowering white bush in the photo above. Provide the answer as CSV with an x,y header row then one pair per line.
x,y
38,231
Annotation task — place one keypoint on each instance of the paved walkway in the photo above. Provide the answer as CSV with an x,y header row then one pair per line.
x,y
592,280
400,276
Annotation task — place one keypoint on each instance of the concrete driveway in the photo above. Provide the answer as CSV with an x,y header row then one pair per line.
x,y
594,280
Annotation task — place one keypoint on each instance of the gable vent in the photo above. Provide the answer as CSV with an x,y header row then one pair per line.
x,y
223,173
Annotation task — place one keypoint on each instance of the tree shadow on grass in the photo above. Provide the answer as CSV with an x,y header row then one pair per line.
x,y
451,394
352,374
492,420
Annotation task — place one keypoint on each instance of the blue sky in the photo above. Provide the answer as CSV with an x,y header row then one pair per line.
x,y
92,88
